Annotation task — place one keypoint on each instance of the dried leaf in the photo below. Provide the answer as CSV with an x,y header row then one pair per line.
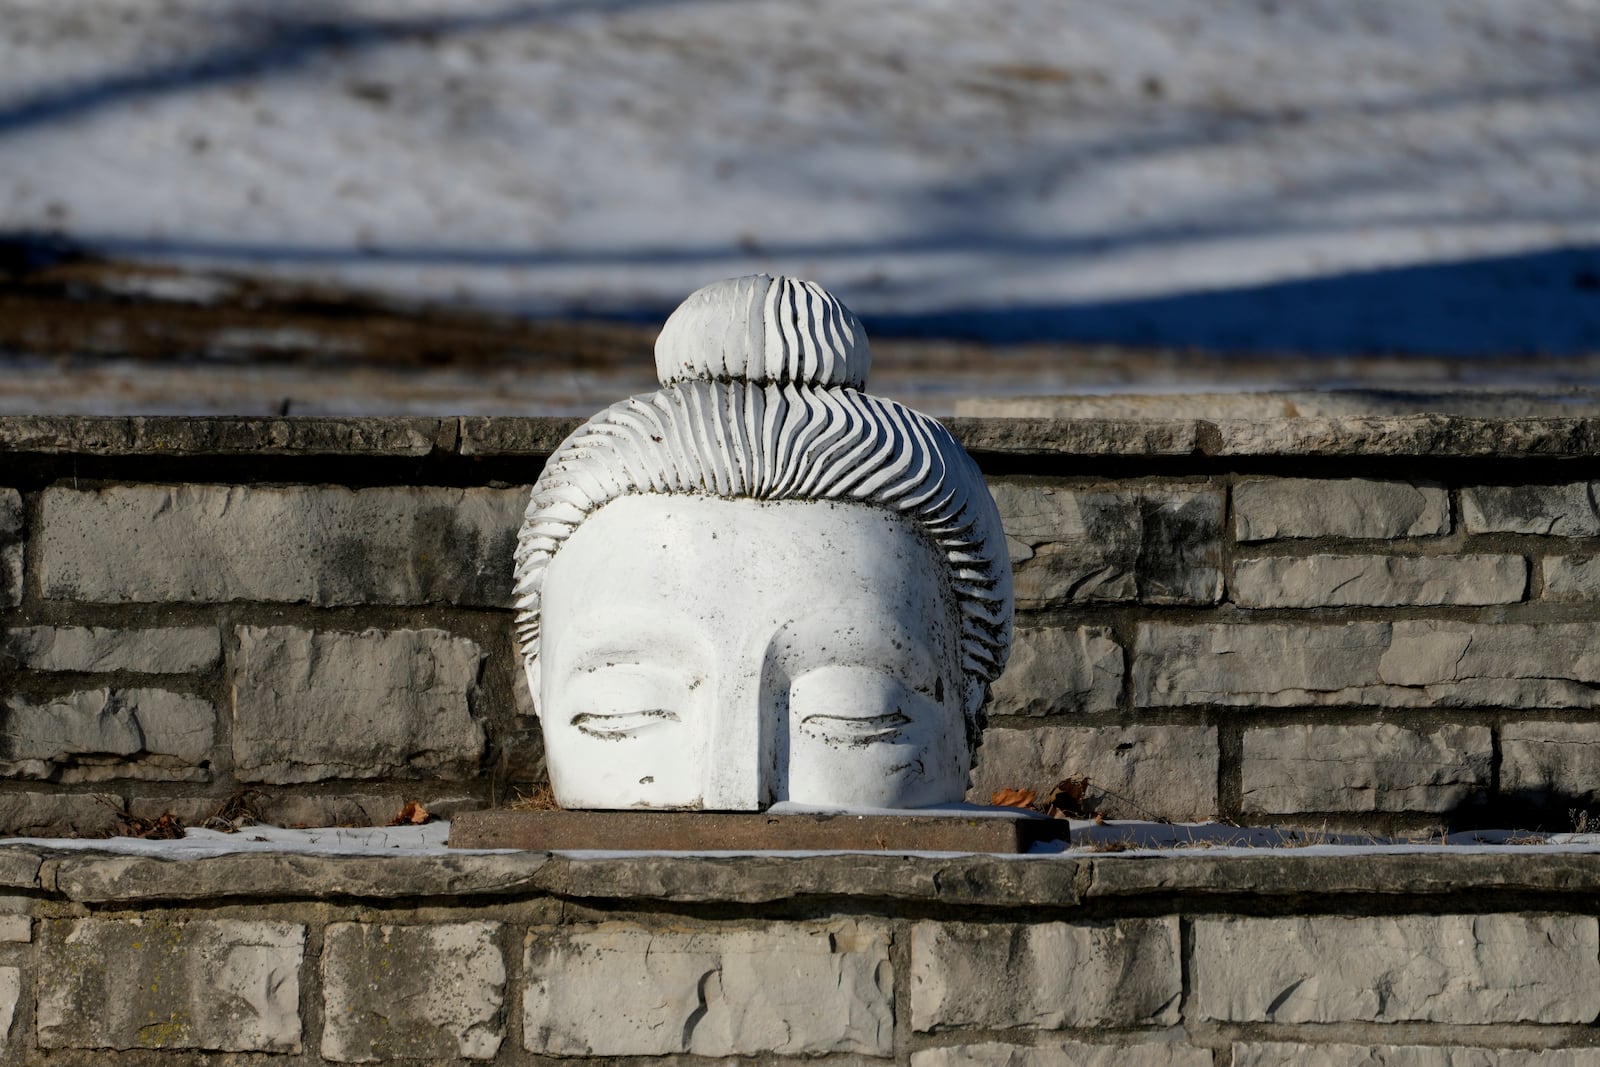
x,y
1013,798
412,814
1068,798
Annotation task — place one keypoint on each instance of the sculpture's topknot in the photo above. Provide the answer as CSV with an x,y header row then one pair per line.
x,y
763,330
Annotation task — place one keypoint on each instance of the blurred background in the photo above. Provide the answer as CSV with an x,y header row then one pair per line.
x,y
484,206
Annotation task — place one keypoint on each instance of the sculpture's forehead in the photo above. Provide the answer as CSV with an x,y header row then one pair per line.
x,y
693,552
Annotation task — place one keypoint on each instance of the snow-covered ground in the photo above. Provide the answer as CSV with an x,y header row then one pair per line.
x,y
1320,175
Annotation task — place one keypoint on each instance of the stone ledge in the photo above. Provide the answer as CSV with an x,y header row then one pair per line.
x,y
1403,436
92,876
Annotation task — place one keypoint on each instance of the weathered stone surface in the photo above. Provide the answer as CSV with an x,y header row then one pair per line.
x,y
1158,546
1077,436
1460,969
169,435
11,518
1295,1055
217,984
1044,976
499,435
96,734
319,545
412,991
10,993
1063,1054
298,808
1557,510
790,989
1544,760
1431,435
1378,581
1571,577
1376,767
16,927
1135,772
173,650
310,706
1268,508
1420,663
1059,669
58,814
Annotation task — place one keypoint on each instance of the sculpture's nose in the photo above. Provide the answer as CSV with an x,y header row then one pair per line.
x,y
740,743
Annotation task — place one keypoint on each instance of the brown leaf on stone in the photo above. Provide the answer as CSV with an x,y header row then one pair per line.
x,y
412,814
165,827
1013,798
1068,798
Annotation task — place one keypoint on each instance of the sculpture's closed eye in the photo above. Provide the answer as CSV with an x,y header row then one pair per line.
x,y
622,725
856,730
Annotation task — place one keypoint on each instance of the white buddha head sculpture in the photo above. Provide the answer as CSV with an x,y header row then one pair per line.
x,y
758,583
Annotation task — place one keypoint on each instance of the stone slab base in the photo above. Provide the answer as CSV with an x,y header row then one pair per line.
x,y
674,831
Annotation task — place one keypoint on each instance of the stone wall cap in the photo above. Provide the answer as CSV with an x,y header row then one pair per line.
x,y
1416,435
101,875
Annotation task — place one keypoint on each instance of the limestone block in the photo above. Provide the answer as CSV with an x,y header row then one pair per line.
x,y
1542,760
1419,663
224,985
1157,546
1246,1054
173,650
620,989
1571,577
1059,669
16,927
1135,772
10,993
311,705
1376,767
1557,510
1459,969
1378,581
1044,976
1063,1054
320,545
412,992
11,520
58,814
97,734
1265,509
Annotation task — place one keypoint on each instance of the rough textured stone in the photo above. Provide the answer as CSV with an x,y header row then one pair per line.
x,y
18,927
309,706
1571,577
176,650
1377,767
1541,761
11,519
58,814
1432,435
232,435
1077,436
1460,969
412,991
96,734
1296,1055
1044,976
1268,508
318,545
618,989
1419,663
10,993
1378,581
1558,510
1134,772
298,808
1063,1054
1056,669
217,984
1158,546
498,435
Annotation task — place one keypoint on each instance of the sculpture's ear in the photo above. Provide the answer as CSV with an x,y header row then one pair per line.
x,y
530,671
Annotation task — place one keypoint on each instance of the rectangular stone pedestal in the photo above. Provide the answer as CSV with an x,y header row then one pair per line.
x,y
693,831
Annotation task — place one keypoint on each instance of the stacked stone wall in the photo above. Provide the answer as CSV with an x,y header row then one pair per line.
x,y
1207,960
1380,624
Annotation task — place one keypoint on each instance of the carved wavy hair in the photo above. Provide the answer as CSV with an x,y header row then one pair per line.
x,y
760,399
